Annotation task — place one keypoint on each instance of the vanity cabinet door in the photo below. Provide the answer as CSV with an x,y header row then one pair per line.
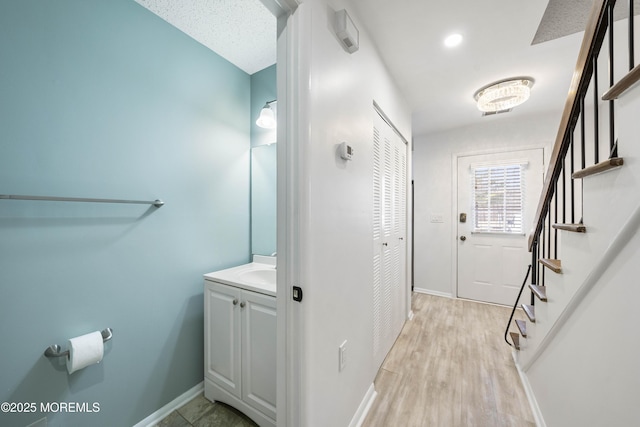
x,y
259,352
222,336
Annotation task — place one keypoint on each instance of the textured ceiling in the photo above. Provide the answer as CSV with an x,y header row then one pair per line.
x,y
241,31
564,17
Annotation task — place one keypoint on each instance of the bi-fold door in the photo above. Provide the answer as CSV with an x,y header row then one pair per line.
x,y
389,236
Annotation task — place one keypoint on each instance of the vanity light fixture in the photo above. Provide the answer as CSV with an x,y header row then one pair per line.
x,y
503,94
267,117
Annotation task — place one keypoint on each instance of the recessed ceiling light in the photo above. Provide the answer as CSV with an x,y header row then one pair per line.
x,y
453,40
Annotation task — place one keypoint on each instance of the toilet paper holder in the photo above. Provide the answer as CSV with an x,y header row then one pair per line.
x,y
54,350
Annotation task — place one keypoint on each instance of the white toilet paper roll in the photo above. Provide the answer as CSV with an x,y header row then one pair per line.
x,y
85,350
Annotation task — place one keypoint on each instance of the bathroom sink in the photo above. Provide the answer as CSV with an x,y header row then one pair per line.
x,y
259,276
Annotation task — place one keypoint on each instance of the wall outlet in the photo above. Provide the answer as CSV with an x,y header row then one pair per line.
x,y
342,356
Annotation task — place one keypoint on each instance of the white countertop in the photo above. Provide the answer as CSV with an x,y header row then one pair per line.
x,y
234,276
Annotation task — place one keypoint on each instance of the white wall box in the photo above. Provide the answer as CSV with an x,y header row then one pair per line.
x,y
347,31
240,350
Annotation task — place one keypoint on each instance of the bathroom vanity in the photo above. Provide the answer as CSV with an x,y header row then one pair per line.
x,y
240,338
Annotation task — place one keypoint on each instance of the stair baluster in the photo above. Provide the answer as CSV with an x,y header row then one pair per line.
x,y
543,244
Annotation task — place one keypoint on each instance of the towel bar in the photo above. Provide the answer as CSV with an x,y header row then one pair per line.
x,y
54,350
157,203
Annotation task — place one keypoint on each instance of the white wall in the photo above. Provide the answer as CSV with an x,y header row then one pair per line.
x,y
434,193
335,210
589,372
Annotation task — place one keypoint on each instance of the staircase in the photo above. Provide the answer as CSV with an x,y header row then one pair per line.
x,y
585,247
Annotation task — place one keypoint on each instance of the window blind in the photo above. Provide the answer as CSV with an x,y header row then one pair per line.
x,y
498,202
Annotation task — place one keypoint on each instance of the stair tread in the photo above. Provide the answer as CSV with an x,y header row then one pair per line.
x,y
624,84
608,164
539,291
576,228
516,339
554,265
522,327
530,311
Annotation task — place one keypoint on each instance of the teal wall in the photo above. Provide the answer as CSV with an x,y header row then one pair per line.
x,y
104,99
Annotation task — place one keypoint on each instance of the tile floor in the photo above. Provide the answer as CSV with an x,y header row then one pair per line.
x,y
200,412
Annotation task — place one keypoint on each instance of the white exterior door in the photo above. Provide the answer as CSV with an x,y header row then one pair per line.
x,y
497,199
389,237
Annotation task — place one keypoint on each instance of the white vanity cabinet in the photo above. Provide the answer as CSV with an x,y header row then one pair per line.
x,y
240,350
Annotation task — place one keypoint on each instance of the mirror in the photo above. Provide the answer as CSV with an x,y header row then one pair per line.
x,y
263,199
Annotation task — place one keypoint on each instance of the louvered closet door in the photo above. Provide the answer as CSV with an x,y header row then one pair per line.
x,y
389,236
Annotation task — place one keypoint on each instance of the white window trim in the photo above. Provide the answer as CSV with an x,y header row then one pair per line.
x,y
504,165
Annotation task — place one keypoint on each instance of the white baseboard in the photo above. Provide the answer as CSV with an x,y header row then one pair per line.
x,y
161,413
535,409
434,293
364,407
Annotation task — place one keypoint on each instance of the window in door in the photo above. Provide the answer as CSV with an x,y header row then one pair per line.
x,y
498,199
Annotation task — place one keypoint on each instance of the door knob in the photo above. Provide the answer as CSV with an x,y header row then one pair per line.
x,y
235,301
463,238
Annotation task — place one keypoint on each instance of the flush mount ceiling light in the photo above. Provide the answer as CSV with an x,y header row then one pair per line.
x,y
504,94
267,117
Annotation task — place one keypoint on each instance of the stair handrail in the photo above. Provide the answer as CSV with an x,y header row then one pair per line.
x,y
515,306
591,43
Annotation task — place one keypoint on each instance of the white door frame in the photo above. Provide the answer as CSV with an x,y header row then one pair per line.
x,y
290,74
454,201
289,408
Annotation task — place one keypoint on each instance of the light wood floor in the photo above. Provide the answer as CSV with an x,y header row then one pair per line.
x,y
450,367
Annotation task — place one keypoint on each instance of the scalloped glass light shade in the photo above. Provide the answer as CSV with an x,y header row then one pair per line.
x,y
267,118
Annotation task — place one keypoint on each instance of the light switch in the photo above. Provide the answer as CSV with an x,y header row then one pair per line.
x,y
437,218
342,356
